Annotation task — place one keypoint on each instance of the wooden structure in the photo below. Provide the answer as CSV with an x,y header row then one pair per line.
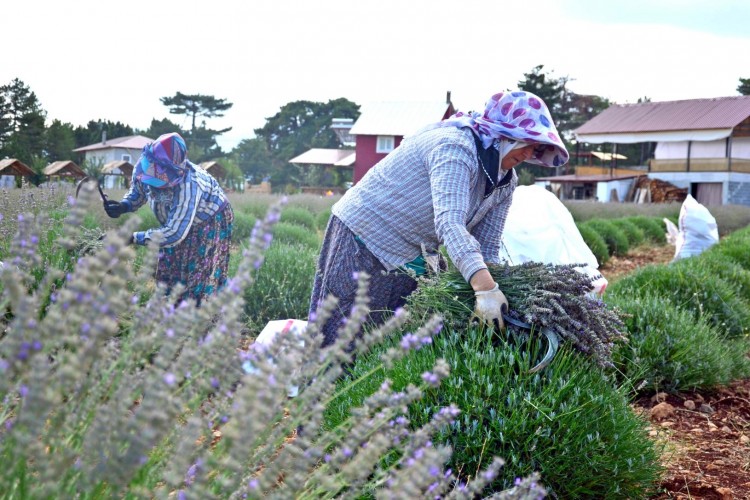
x,y
262,188
17,168
214,168
64,169
381,127
10,168
702,145
657,191
119,169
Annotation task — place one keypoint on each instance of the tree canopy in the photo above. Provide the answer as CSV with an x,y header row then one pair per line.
x,y
195,105
22,122
744,86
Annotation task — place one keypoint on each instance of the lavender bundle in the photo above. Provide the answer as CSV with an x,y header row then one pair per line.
x,y
543,295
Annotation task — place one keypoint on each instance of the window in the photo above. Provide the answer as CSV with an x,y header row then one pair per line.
x,y
385,144
126,158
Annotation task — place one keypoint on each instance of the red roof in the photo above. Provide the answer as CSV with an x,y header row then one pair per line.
x,y
127,142
691,114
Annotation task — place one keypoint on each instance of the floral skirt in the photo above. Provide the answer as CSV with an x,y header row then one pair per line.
x,y
200,261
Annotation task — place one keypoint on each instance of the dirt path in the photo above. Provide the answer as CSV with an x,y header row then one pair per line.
x,y
706,435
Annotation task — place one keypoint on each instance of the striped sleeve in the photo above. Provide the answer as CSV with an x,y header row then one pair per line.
x,y
181,215
451,178
136,195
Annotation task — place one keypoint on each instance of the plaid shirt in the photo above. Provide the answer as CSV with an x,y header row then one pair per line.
x,y
429,190
198,196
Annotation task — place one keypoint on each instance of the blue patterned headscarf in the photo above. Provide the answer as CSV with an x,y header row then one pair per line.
x,y
163,163
514,116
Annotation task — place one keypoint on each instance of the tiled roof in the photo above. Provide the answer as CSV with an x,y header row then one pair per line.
x,y
397,118
128,142
691,114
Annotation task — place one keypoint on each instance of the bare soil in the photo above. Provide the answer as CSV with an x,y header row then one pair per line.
x,y
706,435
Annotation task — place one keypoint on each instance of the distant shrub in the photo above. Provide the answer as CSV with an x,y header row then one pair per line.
x,y
147,218
293,234
242,227
322,218
634,234
300,216
670,350
250,206
586,210
283,285
617,241
595,242
653,228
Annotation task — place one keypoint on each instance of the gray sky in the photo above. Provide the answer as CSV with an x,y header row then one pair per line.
x,y
98,59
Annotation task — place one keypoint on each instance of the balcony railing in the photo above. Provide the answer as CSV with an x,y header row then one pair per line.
x,y
701,165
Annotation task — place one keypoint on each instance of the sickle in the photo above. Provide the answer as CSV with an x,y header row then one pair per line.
x,y
553,342
99,186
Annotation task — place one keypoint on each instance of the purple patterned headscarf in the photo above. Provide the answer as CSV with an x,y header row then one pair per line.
x,y
163,163
516,116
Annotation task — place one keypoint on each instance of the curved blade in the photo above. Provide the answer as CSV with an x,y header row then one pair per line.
x,y
553,343
98,186
81,183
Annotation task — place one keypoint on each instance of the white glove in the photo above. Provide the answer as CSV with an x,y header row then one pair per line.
x,y
490,305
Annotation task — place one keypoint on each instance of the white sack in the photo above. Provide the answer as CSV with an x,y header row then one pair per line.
x,y
698,229
540,229
294,327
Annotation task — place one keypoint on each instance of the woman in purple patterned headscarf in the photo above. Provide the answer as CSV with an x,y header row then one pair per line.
x,y
194,213
449,184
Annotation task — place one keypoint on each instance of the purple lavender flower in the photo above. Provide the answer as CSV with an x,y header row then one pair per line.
x,y
169,378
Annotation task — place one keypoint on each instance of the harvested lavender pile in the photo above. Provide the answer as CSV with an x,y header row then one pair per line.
x,y
543,295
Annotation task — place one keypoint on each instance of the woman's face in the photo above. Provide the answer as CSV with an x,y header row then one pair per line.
x,y
516,156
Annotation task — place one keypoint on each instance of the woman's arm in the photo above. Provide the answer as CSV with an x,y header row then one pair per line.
x,y
180,218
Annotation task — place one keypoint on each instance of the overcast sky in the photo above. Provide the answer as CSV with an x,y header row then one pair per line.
x,y
98,59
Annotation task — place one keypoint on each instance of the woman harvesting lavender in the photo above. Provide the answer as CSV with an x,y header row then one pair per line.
x,y
194,213
450,184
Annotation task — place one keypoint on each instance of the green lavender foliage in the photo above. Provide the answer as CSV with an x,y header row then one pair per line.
x,y
694,287
670,350
652,227
735,247
545,295
283,286
570,422
109,389
595,242
299,216
633,233
617,241
321,220
295,234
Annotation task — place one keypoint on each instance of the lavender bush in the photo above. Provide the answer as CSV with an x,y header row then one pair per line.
x,y
109,388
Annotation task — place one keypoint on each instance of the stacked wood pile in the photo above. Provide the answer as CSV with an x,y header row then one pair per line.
x,y
658,191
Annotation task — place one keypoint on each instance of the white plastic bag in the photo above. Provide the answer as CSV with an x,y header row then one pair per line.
x,y
540,229
266,337
698,229
672,231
